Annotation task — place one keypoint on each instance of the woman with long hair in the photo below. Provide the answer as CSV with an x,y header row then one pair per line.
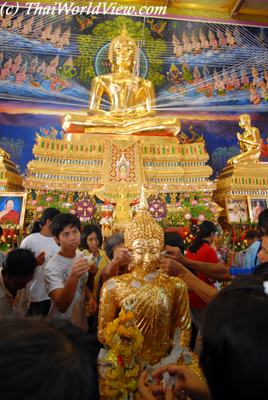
x,y
201,250
91,243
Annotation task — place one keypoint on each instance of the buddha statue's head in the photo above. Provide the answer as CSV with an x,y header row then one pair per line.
x,y
145,238
123,52
244,121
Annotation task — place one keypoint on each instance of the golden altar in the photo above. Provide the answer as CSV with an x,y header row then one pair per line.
x,y
104,165
10,179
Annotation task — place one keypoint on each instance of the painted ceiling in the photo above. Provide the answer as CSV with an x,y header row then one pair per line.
x,y
251,11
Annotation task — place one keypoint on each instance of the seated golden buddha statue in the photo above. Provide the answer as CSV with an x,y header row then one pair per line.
x,y
249,142
131,99
161,304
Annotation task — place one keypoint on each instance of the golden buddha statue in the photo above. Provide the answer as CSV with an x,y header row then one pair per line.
x,y
161,305
131,99
4,154
249,142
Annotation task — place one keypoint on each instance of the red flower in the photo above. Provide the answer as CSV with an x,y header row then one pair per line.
x,y
120,360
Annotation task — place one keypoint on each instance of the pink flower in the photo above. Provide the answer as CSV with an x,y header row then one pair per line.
x,y
178,204
34,202
49,198
201,217
194,202
72,211
188,216
40,209
62,196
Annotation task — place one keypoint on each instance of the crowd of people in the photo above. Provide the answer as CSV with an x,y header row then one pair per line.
x,y
50,287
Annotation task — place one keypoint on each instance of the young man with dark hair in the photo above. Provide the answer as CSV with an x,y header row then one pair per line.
x,y
46,360
66,273
44,246
16,272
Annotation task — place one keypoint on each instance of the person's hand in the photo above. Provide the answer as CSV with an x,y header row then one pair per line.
x,y
152,392
40,259
187,383
91,306
79,267
92,268
170,266
122,256
174,252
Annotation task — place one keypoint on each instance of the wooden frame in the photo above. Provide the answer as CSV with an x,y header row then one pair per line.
x,y
256,205
14,204
236,210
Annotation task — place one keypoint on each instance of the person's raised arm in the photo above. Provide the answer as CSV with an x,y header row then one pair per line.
x,y
173,268
219,271
121,258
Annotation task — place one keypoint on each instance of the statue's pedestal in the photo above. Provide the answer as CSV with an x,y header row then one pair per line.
x,y
111,164
242,181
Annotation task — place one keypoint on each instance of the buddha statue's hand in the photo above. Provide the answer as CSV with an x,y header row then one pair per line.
x,y
98,112
187,383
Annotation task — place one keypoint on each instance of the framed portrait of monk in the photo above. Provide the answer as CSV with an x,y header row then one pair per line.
x,y
236,210
12,209
256,206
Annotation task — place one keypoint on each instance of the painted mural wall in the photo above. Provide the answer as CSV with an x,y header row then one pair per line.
x,y
207,73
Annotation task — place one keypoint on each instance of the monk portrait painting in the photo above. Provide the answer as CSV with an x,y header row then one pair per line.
x,y
12,208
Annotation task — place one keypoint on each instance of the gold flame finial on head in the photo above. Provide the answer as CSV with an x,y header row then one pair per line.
x,y
143,225
143,201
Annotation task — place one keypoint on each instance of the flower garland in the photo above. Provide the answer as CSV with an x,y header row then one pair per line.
x,y
119,367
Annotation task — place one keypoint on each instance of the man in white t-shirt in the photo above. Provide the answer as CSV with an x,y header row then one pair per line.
x,y
44,246
16,273
66,273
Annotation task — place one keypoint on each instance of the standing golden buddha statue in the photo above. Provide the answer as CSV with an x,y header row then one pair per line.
x,y
161,304
131,99
249,142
